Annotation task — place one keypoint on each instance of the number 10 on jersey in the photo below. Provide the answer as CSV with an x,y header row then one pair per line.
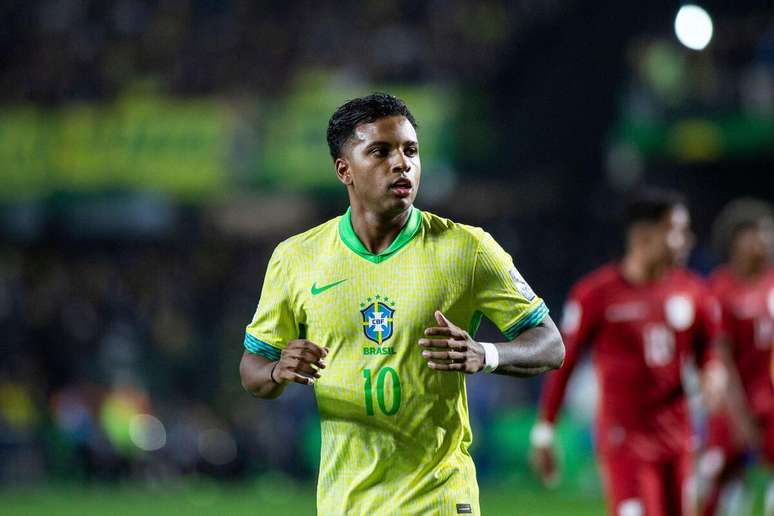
x,y
387,407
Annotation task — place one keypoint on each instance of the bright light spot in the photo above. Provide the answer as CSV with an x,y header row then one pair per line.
x,y
217,447
693,27
147,432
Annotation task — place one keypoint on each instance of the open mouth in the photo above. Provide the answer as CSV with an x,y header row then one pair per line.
x,y
401,187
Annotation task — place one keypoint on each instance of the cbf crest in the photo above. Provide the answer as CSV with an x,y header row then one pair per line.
x,y
378,317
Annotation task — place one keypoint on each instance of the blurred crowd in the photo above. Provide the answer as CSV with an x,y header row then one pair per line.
x,y
121,360
65,50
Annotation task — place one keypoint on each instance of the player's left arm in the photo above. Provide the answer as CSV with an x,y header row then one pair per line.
x,y
447,347
499,292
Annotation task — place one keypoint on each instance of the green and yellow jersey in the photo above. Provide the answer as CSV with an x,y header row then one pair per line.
x,y
395,433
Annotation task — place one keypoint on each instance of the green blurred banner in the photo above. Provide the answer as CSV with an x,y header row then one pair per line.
x,y
698,139
193,148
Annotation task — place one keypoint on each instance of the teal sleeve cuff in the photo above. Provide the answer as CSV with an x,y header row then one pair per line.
x,y
531,320
259,347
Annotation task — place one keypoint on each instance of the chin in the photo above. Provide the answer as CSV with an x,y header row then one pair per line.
x,y
405,203
397,206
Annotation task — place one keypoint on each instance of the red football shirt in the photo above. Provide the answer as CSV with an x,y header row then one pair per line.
x,y
639,337
748,323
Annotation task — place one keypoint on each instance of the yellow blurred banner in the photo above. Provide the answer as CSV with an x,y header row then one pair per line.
x,y
175,146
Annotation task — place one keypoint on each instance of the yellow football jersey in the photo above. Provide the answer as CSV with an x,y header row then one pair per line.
x,y
395,433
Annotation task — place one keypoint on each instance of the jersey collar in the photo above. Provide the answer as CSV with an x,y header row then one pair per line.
x,y
351,240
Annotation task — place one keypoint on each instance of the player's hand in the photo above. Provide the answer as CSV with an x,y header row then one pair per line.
x,y
543,460
542,455
300,362
447,347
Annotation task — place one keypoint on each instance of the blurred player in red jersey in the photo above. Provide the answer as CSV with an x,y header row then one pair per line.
x,y
744,232
641,318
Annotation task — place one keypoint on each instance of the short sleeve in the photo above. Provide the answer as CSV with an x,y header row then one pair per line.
x,y
501,293
274,322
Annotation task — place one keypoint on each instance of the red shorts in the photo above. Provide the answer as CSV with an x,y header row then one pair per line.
x,y
637,488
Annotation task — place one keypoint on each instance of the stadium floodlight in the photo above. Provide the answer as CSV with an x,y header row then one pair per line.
x,y
693,27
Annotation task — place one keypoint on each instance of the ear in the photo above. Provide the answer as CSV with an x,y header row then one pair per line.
x,y
342,171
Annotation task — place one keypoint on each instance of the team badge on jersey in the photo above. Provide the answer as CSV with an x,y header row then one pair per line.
x,y
679,312
378,318
521,284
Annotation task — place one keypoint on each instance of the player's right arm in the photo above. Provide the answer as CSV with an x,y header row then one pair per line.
x,y
299,362
578,323
274,354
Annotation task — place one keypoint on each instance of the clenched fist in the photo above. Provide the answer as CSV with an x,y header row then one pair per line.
x,y
299,362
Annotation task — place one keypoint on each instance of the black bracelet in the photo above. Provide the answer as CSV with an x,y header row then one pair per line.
x,y
271,373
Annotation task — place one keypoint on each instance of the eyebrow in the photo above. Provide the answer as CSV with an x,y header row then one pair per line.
x,y
388,144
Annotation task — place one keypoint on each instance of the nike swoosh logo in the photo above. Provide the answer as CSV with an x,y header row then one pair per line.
x,y
322,289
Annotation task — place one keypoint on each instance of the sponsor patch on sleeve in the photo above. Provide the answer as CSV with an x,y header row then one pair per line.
x,y
521,285
464,508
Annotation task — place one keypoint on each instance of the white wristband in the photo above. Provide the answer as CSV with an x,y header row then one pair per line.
x,y
491,357
542,435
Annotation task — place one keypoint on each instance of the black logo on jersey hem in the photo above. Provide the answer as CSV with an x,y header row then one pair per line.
x,y
464,508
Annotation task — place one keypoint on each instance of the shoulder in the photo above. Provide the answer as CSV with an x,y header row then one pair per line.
x,y
437,226
441,228
310,240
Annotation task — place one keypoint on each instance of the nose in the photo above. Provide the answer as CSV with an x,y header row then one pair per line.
x,y
402,163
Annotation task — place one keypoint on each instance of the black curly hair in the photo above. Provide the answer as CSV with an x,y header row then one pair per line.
x,y
363,110
650,205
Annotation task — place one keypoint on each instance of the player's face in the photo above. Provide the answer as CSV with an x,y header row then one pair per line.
x,y
670,240
380,165
755,245
676,236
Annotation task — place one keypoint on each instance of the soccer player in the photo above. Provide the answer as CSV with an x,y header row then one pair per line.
x,y
641,318
377,310
744,231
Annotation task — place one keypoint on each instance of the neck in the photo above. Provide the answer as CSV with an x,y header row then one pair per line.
x,y
375,230
638,270
746,269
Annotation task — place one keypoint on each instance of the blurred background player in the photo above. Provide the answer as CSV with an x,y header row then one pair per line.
x,y
744,286
641,318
